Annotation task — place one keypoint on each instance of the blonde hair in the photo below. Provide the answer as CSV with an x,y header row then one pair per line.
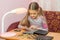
x,y
25,21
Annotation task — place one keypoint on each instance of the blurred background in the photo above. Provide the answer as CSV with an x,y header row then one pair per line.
x,y
8,5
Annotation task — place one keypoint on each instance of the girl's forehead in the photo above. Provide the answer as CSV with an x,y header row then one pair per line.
x,y
33,11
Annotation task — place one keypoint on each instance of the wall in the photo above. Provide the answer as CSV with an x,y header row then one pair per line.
x,y
8,5
51,5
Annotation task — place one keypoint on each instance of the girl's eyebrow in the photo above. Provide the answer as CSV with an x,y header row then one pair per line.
x,y
32,13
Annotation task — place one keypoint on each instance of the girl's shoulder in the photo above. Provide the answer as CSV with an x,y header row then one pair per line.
x,y
42,17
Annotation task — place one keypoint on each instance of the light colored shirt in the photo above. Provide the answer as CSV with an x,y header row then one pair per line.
x,y
39,22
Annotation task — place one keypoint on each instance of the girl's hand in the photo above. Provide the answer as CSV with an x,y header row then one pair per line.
x,y
33,27
24,27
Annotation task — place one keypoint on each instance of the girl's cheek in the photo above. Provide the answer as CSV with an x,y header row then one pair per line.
x,y
32,16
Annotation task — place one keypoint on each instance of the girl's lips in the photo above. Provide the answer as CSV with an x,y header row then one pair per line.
x,y
32,16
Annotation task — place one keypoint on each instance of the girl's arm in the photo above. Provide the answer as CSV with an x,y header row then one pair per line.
x,y
44,24
33,27
22,27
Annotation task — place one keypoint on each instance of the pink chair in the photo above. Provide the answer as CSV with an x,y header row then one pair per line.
x,y
13,26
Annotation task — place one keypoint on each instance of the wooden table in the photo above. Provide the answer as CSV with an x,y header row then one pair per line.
x,y
56,36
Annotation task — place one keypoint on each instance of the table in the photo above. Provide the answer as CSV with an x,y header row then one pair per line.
x,y
56,36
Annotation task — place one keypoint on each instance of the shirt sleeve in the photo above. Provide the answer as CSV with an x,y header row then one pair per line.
x,y
44,24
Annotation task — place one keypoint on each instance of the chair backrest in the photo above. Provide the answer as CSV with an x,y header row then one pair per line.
x,y
53,19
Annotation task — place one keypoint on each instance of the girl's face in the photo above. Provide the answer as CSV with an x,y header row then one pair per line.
x,y
33,13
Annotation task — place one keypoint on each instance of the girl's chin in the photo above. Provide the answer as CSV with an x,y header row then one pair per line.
x,y
34,17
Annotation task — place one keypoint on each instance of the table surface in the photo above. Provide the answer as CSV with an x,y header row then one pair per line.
x,y
21,36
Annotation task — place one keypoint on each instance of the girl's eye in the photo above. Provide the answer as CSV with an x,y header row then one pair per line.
x,y
33,13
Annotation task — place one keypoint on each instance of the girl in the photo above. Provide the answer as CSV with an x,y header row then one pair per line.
x,y
34,18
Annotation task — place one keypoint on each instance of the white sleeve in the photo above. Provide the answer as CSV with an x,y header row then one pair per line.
x,y
44,21
43,29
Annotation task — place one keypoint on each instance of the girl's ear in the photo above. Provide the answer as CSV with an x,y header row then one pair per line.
x,y
38,10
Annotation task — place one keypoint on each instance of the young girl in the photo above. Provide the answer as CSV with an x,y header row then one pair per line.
x,y
34,18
